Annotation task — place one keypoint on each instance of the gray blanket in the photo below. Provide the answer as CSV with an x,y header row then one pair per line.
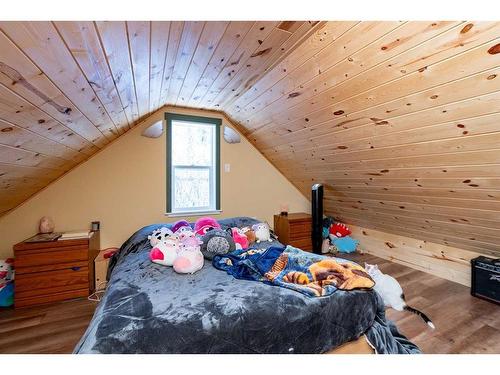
x,y
148,308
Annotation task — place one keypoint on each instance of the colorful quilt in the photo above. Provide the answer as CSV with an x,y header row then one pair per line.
x,y
289,267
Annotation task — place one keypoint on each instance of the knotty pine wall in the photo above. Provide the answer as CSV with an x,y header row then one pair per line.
x,y
447,262
400,121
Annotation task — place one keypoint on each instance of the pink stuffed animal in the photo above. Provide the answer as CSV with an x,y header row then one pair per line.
x,y
6,271
165,252
189,260
204,224
240,239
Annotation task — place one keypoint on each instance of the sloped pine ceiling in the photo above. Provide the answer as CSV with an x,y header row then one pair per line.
x,y
399,120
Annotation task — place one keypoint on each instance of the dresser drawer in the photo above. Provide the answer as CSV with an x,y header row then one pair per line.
x,y
300,235
51,267
45,257
52,290
300,226
295,235
51,279
47,298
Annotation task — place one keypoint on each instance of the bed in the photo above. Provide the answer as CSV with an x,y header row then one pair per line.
x,y
148,308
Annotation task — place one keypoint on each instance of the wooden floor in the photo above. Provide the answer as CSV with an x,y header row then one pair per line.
x,y
464,324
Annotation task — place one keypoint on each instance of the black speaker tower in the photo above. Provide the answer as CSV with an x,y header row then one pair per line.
x,y
317,217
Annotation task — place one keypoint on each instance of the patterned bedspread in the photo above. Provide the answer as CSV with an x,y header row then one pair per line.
x,y
148,308
311,274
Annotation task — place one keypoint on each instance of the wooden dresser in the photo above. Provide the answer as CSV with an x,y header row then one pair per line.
x,y
294,229
55,270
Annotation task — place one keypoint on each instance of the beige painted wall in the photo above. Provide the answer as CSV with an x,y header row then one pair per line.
x,y
124,185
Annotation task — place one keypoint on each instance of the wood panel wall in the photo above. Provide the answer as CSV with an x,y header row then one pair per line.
x,y
447,262
399,120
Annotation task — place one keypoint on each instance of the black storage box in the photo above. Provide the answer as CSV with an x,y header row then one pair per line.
x,y
485,282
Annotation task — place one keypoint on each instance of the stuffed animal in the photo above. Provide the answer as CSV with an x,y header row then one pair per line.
x,y
325,246
181,226
159,235
345,244
6,282
165,252
6,270
339,230
262,232
250,235
204,224
7,295
217,241
189,239
189,260
328,221
240,239
189,257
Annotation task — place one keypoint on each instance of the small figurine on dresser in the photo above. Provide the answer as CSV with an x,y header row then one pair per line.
x,y
45,231
46,225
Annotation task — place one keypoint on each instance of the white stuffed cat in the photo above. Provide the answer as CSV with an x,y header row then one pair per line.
x,y
262,232
392,293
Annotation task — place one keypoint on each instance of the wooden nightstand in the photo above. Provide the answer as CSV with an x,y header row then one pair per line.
x,y
55,270
294,229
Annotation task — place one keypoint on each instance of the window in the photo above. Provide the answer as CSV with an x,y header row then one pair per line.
x,y
193,164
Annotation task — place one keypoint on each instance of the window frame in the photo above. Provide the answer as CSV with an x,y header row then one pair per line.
x,y
217,122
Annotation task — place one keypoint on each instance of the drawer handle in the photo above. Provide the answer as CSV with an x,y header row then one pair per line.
x,y
76,268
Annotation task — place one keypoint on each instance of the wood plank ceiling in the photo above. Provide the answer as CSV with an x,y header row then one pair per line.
x,y
400,120
67,89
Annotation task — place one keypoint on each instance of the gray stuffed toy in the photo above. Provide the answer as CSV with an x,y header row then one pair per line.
x,y
217,241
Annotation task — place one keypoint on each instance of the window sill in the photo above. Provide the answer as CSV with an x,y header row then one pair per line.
x,y
193,213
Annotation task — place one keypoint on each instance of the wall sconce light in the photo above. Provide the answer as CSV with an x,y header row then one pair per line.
x,y
154,131
231,136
